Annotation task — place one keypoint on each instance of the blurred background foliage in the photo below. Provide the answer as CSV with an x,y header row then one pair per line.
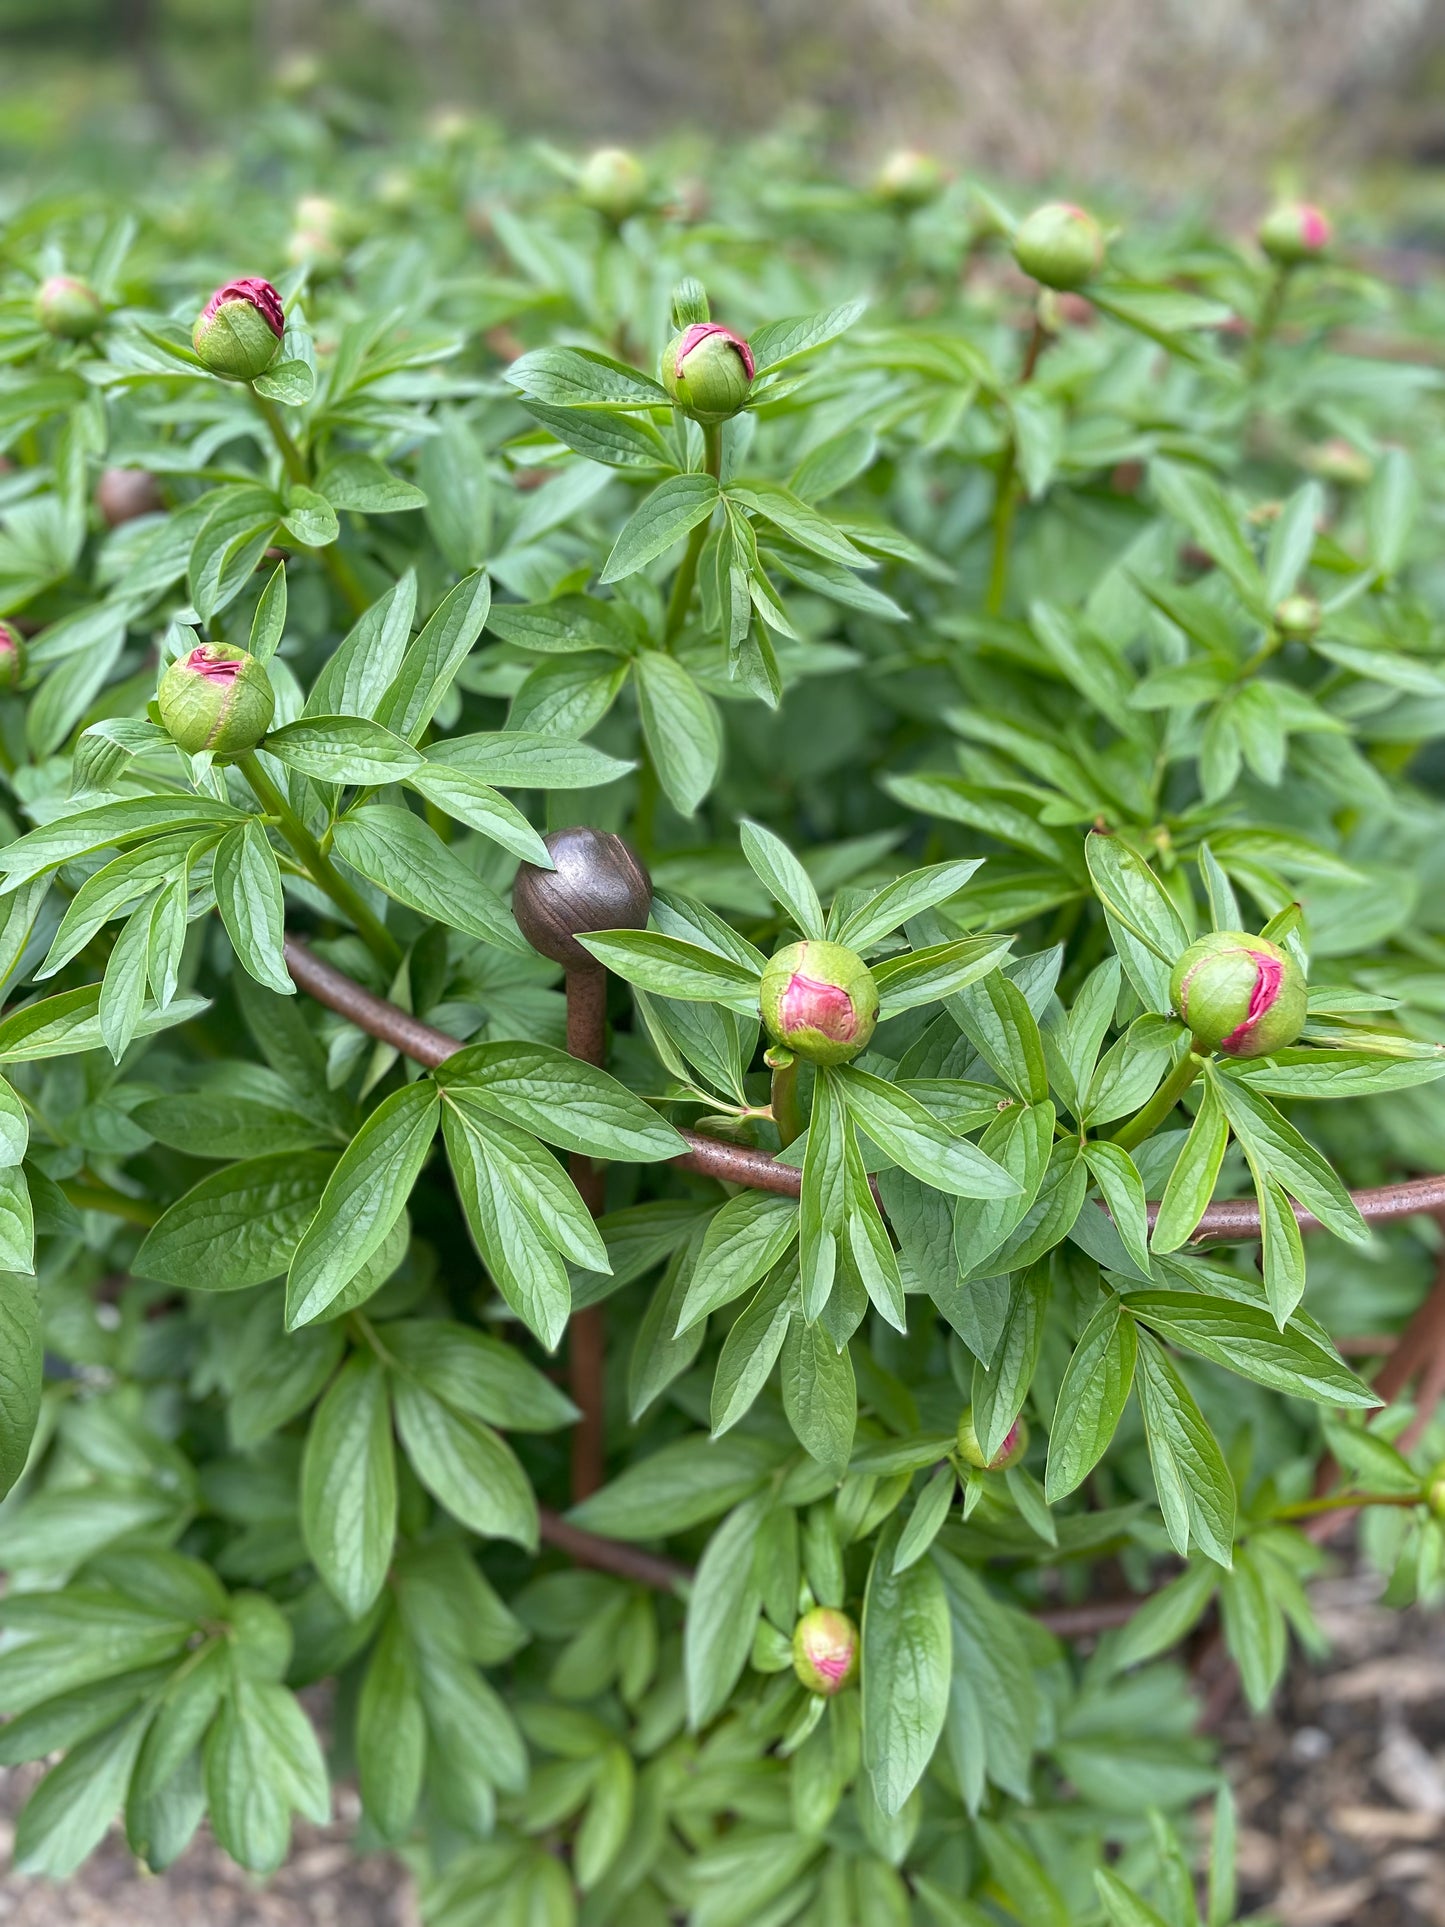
x,y
1207,98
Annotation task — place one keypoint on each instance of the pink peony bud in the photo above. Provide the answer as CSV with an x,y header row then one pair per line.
x,y
708,371
1239,994
1016,1443
216,698
239,330
819,1000
12,656
825,1651
1060,245
69,308
1295,233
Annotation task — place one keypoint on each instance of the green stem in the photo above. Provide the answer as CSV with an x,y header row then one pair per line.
x,y
318,865
1005,502
1270,311
1344,1502
786,1114
343,576
1147,1121
92,1195
682,588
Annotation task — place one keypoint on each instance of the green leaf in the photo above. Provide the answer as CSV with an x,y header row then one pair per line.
x,y
999,1392
268,625
21,1370
1245,1339
364,1197
995,1017
525,1266
669,967
680,724
360,482
348,1486
310,517
906,1664
891,907
820,1397
683,1484
135,816
925,1521
1192,1181
540,1089
527,759
781,341
1122,1904
782,876
390,1734
406,858
1275,1149
249,898
1196,1492
239,1226
429,666
358,673
69,1812
1133,897
466,1466
480,807
799,520
751,1348
583,378
478,1375
343,749
745,1239
676,506
942,970
1123,1192
1092,1397
722,1612
909,1134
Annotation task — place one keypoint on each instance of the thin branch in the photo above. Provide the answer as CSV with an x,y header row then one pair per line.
x,y
1231,1219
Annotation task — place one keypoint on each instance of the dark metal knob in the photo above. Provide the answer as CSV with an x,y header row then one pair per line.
x,y
599,884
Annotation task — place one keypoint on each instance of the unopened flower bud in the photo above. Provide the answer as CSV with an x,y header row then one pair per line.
x,y
122,494
613,182
299,74
1337,460
1016,1443
69,308
599,883
708,371
1239,994
239,330
1298,617
12,656
820,1000
825,1651
1294,233
1060,245
909,178
216,698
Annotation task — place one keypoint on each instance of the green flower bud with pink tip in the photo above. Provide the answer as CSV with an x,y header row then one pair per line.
x,y
825,1651
12,656
613,183
1240,995
1016,1443
708,371
1061,246
216,698
820,1001
238,332
908,179
69,308
1295,233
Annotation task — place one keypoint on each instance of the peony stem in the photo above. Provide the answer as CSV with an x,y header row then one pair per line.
x,y
1147,1121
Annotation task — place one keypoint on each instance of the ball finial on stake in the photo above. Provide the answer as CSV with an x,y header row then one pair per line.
x,y
599,883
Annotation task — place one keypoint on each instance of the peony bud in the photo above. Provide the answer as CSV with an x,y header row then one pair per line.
x,y
1060,245
613,182
216,698
239,330
1016,1443
1298,617
825,1651
909,178
12,656
1238,994
820,1000
299,73
1294,233
708,371
122,494
1337,460
599,883
69,308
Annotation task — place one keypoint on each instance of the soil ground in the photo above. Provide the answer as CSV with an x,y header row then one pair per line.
x,y
1341,1794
